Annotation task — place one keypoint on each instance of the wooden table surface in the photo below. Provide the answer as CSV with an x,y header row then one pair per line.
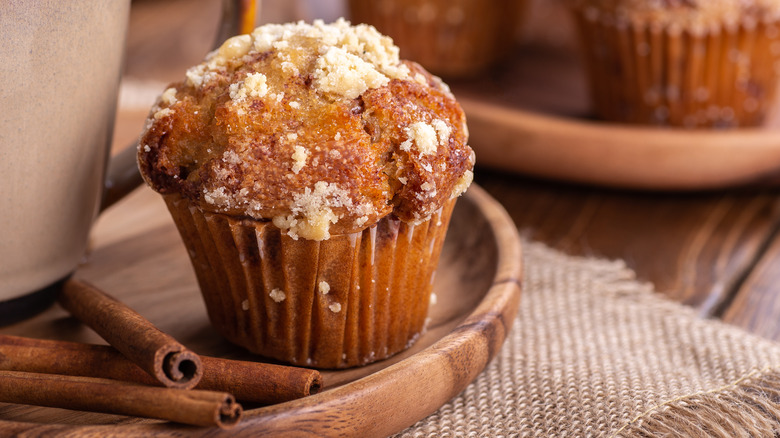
x,y
718,250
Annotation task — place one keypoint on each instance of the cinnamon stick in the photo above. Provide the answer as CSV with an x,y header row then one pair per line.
x,y
259,382
247,381
195,407
139,340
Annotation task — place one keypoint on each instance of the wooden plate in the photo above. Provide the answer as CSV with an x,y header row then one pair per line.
x,y
531,116
137,257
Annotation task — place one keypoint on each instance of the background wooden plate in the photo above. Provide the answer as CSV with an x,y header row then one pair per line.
x,y
137,257
532,116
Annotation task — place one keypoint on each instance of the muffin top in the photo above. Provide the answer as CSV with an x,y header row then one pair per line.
x,y
318,127
690,15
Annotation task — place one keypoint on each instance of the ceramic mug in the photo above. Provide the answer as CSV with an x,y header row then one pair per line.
x,y
59,77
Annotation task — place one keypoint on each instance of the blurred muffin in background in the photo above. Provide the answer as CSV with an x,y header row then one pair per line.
x,y
548,24
687,63
450,38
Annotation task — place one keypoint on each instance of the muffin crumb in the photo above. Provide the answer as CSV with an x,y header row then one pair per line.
x,y
299,158
232,48
324,287
463,183
254,85
162,113
345,74
315,208
443,130
169,96
335,307
423,135
277,295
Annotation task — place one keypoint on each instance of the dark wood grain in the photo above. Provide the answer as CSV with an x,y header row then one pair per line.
x,y
756,302
694,247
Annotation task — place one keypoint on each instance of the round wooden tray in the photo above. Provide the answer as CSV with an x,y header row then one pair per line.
x,y
137,257
531,116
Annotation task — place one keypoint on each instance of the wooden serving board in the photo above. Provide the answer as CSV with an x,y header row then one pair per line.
x,y
136,255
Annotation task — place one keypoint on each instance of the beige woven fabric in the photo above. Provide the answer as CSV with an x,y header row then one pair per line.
x,y
595,353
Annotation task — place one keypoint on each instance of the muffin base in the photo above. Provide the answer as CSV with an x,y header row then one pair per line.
x,y
347,301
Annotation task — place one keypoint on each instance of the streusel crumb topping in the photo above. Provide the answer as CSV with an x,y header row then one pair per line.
x,y
320,128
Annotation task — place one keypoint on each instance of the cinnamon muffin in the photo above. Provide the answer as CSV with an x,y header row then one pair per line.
x,y
451,38
690,63
311,174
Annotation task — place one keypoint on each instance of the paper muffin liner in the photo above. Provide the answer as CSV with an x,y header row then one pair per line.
x,y
643,73
448,38
346,301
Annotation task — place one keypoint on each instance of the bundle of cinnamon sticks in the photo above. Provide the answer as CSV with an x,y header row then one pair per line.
x,y
142,372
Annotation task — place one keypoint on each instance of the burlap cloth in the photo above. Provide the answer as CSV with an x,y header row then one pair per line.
x,y
594,352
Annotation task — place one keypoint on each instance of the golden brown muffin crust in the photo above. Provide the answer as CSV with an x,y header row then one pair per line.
x,y
319,128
